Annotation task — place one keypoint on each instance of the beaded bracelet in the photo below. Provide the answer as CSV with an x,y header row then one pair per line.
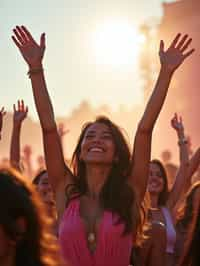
x,y
34,71
182,141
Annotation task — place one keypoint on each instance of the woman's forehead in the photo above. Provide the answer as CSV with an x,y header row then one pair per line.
x,y
155,166
98,127
43,177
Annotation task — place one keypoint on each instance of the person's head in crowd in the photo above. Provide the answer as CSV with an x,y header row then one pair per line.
x,y
166,156
41,181
158,183
25,238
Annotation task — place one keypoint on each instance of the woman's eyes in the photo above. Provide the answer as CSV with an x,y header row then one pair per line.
x,y
107,136
103,136
89,136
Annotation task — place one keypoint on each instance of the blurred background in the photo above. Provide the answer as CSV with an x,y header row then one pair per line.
x,y
101,59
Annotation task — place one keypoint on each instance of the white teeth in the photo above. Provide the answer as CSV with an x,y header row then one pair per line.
x,y
96,150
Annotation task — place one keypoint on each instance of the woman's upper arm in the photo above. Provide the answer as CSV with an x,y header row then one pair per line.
x,y
178,187
58,171
140,163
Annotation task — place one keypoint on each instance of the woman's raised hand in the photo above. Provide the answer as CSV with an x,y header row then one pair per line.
x,y
31,51
20,113
177,52
177,123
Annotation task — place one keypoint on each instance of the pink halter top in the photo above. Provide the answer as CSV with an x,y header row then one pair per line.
x,y
112,248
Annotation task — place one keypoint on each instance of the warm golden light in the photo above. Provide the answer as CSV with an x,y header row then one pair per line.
x,y
116,43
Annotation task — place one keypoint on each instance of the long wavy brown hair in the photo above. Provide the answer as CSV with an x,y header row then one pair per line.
x,y
164,194
36,245
185,214
116,195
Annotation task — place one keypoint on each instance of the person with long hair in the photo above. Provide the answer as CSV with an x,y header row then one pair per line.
x,y
188,228
160,249
25,239
98,203
41,182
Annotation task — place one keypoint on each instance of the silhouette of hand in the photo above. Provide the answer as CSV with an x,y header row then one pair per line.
x,y
177,52
31,51
177,123
20,113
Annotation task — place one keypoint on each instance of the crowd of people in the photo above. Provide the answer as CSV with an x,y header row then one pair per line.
x,y
110,205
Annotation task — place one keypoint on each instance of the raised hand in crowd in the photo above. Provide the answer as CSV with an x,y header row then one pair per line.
x,y
106,164
19,115
170,60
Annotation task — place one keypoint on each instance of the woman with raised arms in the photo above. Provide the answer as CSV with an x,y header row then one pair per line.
x,y
98,204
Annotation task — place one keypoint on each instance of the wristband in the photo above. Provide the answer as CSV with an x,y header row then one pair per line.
x,y
34,71
182,141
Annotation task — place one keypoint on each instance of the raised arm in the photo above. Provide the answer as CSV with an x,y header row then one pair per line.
x,y
2,114
170,60
181,180
19,114
59,174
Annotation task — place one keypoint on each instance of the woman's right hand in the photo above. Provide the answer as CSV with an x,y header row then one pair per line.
x,y
30,50
177,123
19,112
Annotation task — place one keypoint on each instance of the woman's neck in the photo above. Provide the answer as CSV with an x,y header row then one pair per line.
x,y
96,177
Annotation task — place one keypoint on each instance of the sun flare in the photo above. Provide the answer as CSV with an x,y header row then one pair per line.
x,y
116,43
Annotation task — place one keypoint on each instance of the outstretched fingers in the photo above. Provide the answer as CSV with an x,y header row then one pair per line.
x,y
188,53
42,41
182,41
28,34
174,42
162,47
21,36
186,45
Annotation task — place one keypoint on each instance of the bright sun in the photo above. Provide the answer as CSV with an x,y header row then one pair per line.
x,y
116,43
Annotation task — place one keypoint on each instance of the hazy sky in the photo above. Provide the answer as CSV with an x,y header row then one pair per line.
x,y
72,70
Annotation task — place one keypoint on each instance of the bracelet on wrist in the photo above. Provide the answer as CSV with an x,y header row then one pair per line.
x,y
34,71
182,141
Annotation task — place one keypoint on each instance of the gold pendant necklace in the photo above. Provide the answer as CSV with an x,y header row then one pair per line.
x,y
91,238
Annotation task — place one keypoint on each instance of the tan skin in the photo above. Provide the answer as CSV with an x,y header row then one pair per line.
x,y
19,115
59,174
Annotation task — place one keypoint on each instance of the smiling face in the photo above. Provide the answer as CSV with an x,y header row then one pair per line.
x,y
155,181
45,190
98,145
